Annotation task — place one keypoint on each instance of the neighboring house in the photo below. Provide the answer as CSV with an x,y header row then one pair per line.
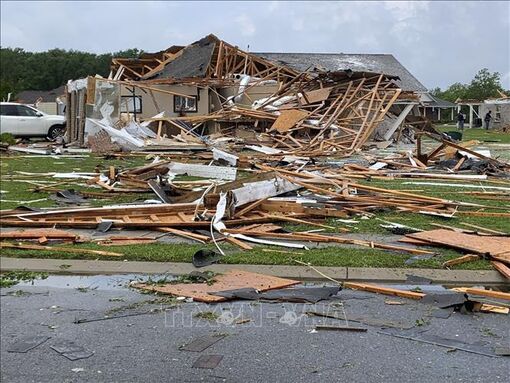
x,y
432,107
500,108
47,101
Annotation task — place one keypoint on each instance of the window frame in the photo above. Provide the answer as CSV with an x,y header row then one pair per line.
x,y
130,97
186,98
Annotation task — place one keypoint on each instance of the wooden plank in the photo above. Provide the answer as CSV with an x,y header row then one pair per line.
x,y
60,249
238,243
185,234
38,233
488,293
502,268
383,290
460,260
249,208
482,228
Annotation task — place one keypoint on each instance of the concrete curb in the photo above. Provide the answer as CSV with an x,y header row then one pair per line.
x,y
482,277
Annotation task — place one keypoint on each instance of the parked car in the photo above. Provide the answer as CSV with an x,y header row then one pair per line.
x,y
25,121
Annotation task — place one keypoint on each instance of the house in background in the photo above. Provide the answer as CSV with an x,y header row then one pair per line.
x,y
47,101
436,109
500,108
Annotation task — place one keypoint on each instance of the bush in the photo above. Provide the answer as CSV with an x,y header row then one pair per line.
x,y
7,138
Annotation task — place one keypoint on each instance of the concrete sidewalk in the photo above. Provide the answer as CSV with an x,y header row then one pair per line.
x,y
396,275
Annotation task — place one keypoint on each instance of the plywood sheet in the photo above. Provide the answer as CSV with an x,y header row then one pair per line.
x,y
287,119
234,279
473,243
317,95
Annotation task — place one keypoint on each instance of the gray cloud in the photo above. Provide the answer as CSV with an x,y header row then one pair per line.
x,y
439,42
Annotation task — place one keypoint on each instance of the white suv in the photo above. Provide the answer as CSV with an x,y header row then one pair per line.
x,y
23,120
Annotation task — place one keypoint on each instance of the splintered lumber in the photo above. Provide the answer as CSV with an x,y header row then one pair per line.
x,y
502,268
58,248
312,237
482,228
473,243
488,293
460,260
231,280
39,233
239,243
185,234
383,290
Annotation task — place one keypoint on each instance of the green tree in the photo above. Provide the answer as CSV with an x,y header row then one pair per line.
x,y
484,85
21,70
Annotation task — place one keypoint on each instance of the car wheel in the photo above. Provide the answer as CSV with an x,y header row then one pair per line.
x,y
55,132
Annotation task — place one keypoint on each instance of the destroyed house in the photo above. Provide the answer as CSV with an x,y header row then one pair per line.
x,y
212,87
333,62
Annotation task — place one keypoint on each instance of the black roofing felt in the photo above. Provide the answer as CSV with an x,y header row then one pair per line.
x,y
377,63
193,61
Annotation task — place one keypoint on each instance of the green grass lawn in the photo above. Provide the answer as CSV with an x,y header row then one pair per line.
x,y
327,256
479,134
330,256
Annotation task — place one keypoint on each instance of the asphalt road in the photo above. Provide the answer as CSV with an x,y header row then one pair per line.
x,y
278,343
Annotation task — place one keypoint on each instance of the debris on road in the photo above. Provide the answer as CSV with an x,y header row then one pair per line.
x,y
204,292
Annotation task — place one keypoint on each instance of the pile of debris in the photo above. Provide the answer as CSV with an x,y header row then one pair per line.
x,y
246,204
222,94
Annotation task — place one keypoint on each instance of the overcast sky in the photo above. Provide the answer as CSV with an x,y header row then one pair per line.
x,y
439,42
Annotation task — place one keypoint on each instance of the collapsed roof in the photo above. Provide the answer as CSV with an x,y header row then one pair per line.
x,y
376,63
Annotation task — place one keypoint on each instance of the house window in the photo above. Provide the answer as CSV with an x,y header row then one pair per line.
x,y
185,104
130,104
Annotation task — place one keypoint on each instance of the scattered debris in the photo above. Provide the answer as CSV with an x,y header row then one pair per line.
x,y
203,342
207,361
203,292
71,350
27,343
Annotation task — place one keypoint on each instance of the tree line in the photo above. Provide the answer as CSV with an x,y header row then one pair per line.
x,y
483,86
21,70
